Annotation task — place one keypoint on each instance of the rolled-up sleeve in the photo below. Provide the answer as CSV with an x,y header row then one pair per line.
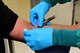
x,y
54,2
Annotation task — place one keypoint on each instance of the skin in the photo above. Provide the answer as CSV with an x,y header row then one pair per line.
x,y
68,27
21,24
17,32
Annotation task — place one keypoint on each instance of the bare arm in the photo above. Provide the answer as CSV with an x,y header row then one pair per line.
x,y
57,26
17,32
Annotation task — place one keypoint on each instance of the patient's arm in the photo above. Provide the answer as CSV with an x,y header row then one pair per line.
x,y
17,32
57,26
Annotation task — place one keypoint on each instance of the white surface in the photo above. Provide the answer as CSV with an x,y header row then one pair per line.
x,y
6,46
74,50
21,48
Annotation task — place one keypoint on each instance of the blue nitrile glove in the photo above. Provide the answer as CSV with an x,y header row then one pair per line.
x,y
37,38
48,24
38,12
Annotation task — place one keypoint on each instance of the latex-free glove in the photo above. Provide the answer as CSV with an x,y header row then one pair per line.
x,y
39,38
38,12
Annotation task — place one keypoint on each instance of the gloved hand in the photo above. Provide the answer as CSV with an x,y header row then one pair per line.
x,y
38,12
39,38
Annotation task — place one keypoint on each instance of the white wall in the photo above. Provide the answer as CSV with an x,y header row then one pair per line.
x,y
63,12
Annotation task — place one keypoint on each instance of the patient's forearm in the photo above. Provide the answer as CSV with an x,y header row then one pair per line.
x,y
17,32
57,26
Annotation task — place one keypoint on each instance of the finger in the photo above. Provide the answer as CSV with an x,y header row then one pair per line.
x,y
27,39
26,32
31,15
29,33
33,18
41,19
35,48
30,44
48,23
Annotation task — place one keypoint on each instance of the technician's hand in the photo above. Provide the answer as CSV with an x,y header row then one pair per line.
x,y
39,38
38,12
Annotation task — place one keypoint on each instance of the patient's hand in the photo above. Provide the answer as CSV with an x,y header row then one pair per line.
x,y
17,32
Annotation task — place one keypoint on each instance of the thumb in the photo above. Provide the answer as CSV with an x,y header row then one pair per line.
x,y
48,23
40,21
